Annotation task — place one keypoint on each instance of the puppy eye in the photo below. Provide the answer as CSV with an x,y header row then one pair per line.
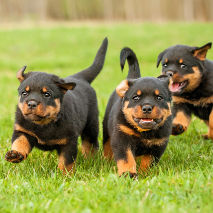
x,y
136,98
182,66
159,98
165,65
24,93
47,94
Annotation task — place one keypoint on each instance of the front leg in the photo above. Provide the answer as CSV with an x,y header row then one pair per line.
x,y
123,155
22,145
146,162
209,135
181,118
67,156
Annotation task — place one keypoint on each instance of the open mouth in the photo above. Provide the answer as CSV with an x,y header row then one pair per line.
x,y
146,123
178,86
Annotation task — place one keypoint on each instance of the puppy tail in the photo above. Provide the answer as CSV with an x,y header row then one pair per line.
x,y
134,69
91,72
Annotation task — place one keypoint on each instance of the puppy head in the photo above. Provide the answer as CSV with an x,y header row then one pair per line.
x,y
146,102
41,96
184,65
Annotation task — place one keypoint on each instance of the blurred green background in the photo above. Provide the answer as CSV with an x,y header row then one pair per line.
x,y
62,37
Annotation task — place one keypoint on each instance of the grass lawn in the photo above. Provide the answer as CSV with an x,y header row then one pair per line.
x,y
183,179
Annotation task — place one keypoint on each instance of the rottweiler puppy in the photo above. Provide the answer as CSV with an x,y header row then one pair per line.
x,y
53,112
138,119
192,85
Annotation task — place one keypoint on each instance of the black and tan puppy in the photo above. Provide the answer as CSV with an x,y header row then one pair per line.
x,y
191,86
138,119
53,112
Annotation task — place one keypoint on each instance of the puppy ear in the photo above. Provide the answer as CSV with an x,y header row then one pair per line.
x,y
167,81
165,78
200,52
20,74
160,56
66,86
123,87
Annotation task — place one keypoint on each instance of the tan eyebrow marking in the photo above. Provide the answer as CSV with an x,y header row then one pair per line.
x,y
166,60
181,61
44,89
139,92
157,92
27,88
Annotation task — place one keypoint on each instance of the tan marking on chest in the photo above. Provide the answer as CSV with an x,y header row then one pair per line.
x,y
61,141
154,141
128,131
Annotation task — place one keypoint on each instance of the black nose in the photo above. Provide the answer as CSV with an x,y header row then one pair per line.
x,y
32,104
147,109
170,73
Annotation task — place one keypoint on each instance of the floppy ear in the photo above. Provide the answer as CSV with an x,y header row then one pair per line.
x,y
160,56
123,87
20,74
200,52
66,86
165,78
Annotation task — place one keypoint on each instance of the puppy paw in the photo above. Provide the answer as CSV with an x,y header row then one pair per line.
x,y
131,175
207,137
14,156
178,129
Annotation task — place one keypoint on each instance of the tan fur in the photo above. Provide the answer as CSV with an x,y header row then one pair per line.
x,y
21,145
87,148
181,61
166,60
27,88
210,124
200,102
128,113
183,119
62,141
122,88
128,131
136,112
145,163
128,165
201,53
108,150
20,75
44,89
155,141
50,111
157,92
193,79
165,113
139,92
66,169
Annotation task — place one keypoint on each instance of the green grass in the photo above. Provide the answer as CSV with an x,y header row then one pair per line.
x,y
183,179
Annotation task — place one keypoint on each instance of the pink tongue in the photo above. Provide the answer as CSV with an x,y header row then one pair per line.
x,y
174,87
146,119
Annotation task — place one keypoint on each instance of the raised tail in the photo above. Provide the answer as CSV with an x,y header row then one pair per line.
x,y
91,72
134,69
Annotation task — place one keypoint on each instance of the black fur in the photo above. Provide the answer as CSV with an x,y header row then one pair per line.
x,y
197,100
76,110
114,116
